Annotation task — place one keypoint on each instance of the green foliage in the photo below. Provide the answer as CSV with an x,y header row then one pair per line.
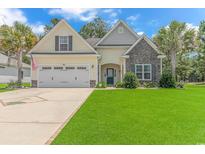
x,y
16,38
130,80
26,59
94,29
200,63
167,80
175,40
16,84
49,26
150,84
180,85
13,84
119,84
101,85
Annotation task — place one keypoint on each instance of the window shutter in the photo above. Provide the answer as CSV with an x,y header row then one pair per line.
x,y
70,43
57,43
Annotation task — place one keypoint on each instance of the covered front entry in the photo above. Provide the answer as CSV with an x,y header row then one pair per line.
x,y
110,73
64,76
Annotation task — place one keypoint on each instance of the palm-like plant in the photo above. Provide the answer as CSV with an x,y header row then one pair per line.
x,y
173,40
17,39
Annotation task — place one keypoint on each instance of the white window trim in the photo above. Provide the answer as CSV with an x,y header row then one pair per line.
x,y
63,43
143,79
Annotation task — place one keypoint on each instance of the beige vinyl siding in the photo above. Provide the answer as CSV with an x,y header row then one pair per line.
x,y
111,55
48,43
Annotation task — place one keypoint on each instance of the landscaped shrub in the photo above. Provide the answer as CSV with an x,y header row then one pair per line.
x,y
119,84
13,84
130,80
167,80
150,84
180,85
101,85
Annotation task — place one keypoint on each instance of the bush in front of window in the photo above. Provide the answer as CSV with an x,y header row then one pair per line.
x,y
130,80
101,85
119,84
167,80
150,84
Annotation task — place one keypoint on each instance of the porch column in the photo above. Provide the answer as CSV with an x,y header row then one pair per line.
x,y
99,77
124,70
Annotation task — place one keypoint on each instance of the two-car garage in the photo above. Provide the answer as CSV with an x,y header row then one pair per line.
x,y
61,75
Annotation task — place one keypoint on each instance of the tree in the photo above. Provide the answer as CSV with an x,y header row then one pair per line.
x,y
48,27
94,29
175,39
183,68
17,39
201,49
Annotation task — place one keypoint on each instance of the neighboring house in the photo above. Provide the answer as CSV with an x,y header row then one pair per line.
x,y
8,70
65,59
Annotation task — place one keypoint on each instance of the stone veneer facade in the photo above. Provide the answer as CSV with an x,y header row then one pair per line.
x,y
143,53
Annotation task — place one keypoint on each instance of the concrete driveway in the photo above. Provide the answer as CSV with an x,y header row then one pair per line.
x,y
33,116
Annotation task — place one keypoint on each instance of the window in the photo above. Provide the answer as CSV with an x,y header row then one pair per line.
x,y
63,43
143,71
120,30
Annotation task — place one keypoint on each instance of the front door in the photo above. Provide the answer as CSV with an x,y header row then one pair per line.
x,y
110,76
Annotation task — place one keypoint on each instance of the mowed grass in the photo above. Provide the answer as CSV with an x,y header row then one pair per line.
x,y
4,87
142,116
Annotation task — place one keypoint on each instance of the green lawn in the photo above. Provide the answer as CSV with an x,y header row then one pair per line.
x,y
149,116
4,86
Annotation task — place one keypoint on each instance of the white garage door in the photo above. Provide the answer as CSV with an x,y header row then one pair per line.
x,y
64,76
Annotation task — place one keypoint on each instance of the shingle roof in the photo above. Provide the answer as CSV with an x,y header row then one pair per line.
x,y
93,41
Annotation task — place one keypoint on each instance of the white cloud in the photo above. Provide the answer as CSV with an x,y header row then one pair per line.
x,y
191,26
133,18
153,22
111,22
82,14
37,28
9,16
111,12
108,10
140,33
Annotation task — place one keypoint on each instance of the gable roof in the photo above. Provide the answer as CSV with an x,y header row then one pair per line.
x,y
147,40
52,30
114,27
93,41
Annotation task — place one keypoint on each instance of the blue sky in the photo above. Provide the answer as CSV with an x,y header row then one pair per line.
x,y
146,21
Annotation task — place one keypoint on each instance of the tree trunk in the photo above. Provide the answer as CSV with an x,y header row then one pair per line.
x,y
173,63
9,59
19,66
